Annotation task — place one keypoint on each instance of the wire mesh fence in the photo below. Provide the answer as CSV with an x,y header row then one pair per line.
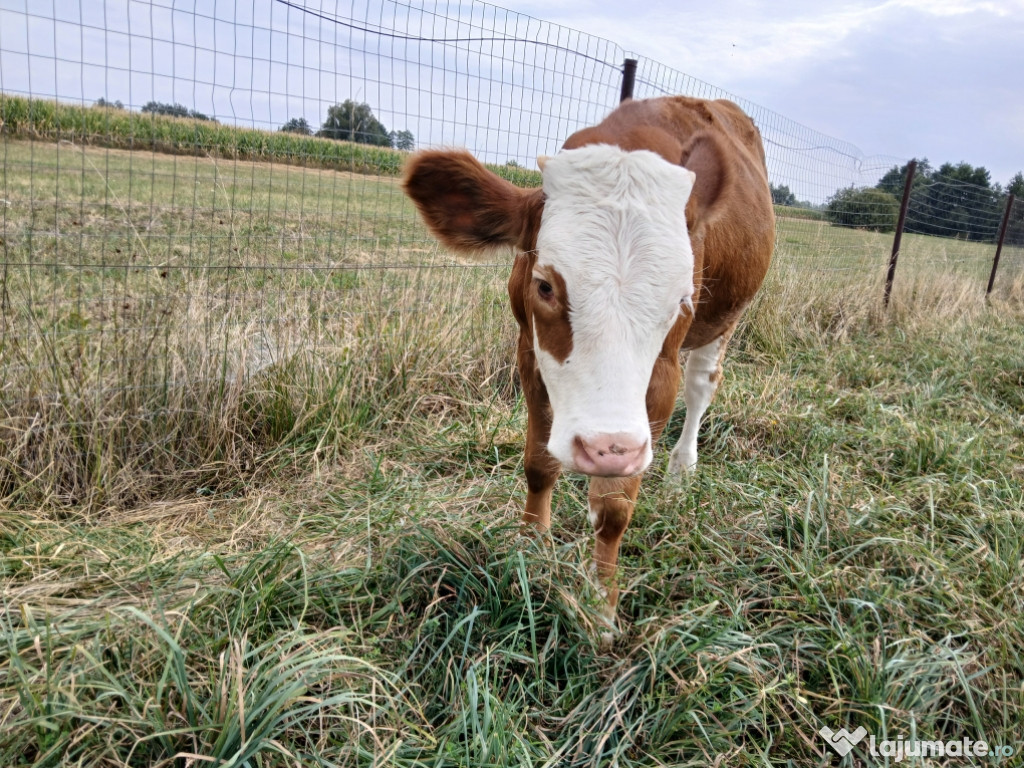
x,y
192,195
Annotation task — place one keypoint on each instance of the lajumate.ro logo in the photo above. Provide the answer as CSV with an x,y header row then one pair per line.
x,y
843,742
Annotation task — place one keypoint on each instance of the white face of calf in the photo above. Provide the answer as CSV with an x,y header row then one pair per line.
x,y
613,240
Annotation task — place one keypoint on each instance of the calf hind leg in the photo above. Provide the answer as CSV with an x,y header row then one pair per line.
x,y
703,373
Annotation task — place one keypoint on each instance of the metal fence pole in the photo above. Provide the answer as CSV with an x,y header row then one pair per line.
x,y
911,168
999,245
628,79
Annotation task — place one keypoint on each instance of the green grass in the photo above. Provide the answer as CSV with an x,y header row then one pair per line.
x,y
795,212
263,509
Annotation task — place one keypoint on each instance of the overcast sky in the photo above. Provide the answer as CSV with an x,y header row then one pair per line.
x,y
942,79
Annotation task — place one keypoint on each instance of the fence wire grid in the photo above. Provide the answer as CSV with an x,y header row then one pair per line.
x,y
181,198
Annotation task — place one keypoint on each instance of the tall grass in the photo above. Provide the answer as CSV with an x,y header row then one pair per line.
x,y
268,513
849,554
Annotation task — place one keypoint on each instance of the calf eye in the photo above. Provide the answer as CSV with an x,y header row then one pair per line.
x,y
544,290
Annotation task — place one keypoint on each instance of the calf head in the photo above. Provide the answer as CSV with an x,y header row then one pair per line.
x,y
604,274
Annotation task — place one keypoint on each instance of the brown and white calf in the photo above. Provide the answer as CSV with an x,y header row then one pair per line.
x,y
652,232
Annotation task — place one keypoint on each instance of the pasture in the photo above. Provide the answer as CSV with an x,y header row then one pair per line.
x,y
261,475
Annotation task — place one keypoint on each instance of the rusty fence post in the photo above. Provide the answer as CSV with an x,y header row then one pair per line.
x,y
999,244
628,79
911,168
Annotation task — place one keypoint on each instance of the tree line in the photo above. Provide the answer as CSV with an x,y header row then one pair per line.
x,y
953,200
348,121
351,121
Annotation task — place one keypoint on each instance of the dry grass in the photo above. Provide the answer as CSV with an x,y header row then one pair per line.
x,y
267,514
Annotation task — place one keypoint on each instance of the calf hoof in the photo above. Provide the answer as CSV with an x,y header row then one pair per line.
x,y
606,626
682,462
608,629
534,529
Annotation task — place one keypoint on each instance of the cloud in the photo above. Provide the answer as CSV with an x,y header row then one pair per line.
x,y
959,7
899,77
736,41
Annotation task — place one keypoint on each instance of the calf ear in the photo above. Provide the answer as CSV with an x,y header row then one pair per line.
x,y
703,155
469,208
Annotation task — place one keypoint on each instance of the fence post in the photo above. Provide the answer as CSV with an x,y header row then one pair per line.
x,y
628,79
999,245
911,168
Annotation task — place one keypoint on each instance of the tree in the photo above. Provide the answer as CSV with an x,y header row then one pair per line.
x,y
895,179
1016,186
350,121
297,125
782,196
1015,224
958,201
966,173
403,140
951,201
863,208
101,102
174,110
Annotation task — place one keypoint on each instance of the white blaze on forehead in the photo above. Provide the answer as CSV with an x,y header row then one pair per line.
x,y
614,228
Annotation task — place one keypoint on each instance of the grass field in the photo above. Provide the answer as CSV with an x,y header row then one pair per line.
x,y
260,464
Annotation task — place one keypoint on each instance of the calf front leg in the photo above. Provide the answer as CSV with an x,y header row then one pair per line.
x,y
703,374
540,467
541,474
610,501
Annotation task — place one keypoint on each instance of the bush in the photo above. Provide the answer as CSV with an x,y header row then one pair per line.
x,y
297,125
863,208
782,195
174,110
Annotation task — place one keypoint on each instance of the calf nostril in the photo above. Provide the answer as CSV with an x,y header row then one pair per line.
x,y
609,455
